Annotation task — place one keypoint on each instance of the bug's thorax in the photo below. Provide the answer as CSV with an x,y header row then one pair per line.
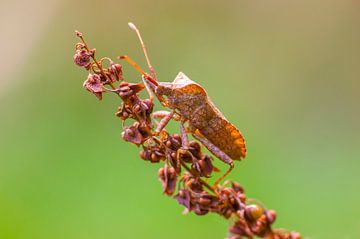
x,y
183,94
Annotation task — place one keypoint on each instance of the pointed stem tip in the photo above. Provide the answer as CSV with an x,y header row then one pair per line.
x,y
79,34
132,26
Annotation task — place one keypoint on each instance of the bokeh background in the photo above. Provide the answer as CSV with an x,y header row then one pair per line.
x,y
285,72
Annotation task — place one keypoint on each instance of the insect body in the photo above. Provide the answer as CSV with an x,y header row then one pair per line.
x,y
205,122
195,106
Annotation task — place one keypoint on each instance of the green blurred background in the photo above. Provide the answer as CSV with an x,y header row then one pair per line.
x,y
286,73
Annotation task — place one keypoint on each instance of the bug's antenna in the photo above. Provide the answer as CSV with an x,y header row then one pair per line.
x,y
152,71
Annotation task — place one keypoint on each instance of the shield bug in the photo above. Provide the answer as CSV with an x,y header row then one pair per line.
x,y
190,102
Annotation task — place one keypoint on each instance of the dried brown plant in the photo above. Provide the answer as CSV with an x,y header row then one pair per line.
x,y
184,172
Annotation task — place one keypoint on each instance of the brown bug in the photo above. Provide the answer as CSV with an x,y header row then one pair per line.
x,y
190,101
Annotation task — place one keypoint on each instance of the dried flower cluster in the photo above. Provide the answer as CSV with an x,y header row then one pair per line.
x,y
183,172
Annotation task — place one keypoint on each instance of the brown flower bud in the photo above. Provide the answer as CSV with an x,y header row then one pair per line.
x,y
227,213
82,58
149,105
115,72
127,89
206,166
183,197
198,210
132,134
93,84
271,216
123,112
195,149
240,229
168,178
253,212
237,187
145,155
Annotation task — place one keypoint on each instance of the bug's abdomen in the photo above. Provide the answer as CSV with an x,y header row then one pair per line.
x,y
225,136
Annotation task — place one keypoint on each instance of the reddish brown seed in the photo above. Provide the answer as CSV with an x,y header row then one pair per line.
x,y
242,198
168,144
153,157
253,211
228,213
142,155
204,201
227,191
271,215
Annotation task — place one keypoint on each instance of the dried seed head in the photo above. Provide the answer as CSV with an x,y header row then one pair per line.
x,y
132,134
93,84
115,72
149,105
240,229
206,166
126,90
195,149
168,178
82,58
183,197
123,112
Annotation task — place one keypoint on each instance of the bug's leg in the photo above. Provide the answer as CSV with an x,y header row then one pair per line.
x,y
166,117
148,88
218,153
163,113
185,147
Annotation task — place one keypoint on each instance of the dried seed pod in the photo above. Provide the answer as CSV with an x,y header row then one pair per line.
x,y
115,72
124,112
271,216
183,197
132,134
240,229
195,149
206,166
253,212
94,85
168,178
149,105
82,58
